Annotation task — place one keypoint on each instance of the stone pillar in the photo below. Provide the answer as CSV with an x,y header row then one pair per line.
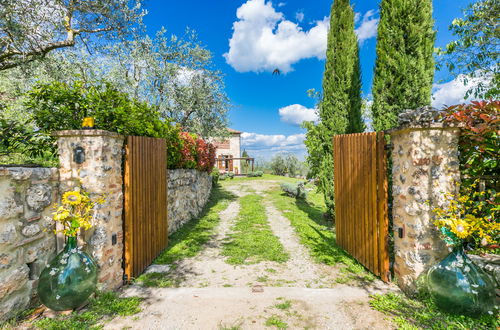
x,y
425,167
93,158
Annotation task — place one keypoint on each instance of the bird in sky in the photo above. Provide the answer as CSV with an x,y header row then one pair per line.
x,y
277,72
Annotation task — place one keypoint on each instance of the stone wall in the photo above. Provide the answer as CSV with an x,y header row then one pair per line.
x,y
100,173
188,192
27,240
425,167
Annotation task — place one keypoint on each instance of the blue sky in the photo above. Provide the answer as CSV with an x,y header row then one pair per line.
x,y
289,35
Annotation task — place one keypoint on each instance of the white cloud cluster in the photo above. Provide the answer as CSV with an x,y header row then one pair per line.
x,y
368,27
264,40
296,114
453,92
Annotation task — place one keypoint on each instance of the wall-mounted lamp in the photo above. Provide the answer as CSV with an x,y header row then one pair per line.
x,y
79,155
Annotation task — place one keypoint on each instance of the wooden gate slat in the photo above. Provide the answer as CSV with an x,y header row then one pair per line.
x,y
145,219
361,211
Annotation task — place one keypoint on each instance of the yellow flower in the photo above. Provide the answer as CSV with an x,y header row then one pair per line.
x,y
72,198
61,215
460,228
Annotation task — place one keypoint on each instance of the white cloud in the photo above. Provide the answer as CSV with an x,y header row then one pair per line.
x,y
281,4
368,27
264,40
296,114
453,92
299,16
265,146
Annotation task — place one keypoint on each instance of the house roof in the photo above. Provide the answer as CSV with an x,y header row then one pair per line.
x,y
233,131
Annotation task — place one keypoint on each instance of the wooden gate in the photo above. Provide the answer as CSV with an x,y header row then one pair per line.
x,y
145,224
361,214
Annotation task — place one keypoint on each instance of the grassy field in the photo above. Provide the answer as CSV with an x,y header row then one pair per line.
x,y
422,313
252,240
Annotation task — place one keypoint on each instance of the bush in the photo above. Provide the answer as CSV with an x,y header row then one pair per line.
x,y
60,106
230,175
223,177
294,190
255,174
215,176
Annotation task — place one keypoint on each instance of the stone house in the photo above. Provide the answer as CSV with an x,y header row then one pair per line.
x,y
228,153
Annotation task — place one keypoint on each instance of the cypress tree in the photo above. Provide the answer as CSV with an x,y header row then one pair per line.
x,y
340,107
404,68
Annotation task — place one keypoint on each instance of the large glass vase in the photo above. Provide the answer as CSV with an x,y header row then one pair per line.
x,y
458,286
69,280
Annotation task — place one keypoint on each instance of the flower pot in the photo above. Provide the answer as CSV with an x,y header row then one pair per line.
x,y
69,280
458,286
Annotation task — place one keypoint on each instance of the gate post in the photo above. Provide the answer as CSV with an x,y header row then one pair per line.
x,y
93,158
425,168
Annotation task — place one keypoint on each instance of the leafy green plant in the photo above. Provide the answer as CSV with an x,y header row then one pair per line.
x,y
294,190
276,321
21,143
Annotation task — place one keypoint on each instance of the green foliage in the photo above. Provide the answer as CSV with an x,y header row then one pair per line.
x,y
252,239
21,144
475,53
294,190
340,107
422,313
285,164
105,305
158,280
189,240
230,175
275,321
256,174
404,68
60,106
215,176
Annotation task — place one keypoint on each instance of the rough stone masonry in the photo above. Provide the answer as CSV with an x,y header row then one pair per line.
x,y
27,240
425,168
93,159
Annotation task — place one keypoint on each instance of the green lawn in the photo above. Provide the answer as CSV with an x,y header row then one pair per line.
x,y
188,241
252,239
238,179
423,314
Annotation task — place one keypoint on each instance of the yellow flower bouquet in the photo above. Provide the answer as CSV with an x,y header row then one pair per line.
x,y
470,216
76,211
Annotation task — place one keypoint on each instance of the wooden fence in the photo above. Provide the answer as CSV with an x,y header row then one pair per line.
x,y
145,223
361,214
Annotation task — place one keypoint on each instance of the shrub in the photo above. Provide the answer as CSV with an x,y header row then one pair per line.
x,y
215,176
60,106
256,174
294,190
230,175
223,177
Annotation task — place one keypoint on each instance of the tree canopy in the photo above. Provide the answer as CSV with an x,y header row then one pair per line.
x,y
475,53
29,29
404,67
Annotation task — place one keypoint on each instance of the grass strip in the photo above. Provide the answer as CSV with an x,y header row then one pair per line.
x,y
422,313
316,233
189,240
252,239
104,306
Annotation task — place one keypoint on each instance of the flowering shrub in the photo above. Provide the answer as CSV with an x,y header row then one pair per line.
x,y
75,212
463,218
479,143
186,150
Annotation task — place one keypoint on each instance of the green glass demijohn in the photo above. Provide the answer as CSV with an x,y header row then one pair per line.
x,y
69,280
458,286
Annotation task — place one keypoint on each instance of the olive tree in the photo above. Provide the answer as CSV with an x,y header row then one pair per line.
x,y
29,29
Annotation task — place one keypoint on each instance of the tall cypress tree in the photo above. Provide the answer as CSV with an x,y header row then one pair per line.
x,y
340,107
404,68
